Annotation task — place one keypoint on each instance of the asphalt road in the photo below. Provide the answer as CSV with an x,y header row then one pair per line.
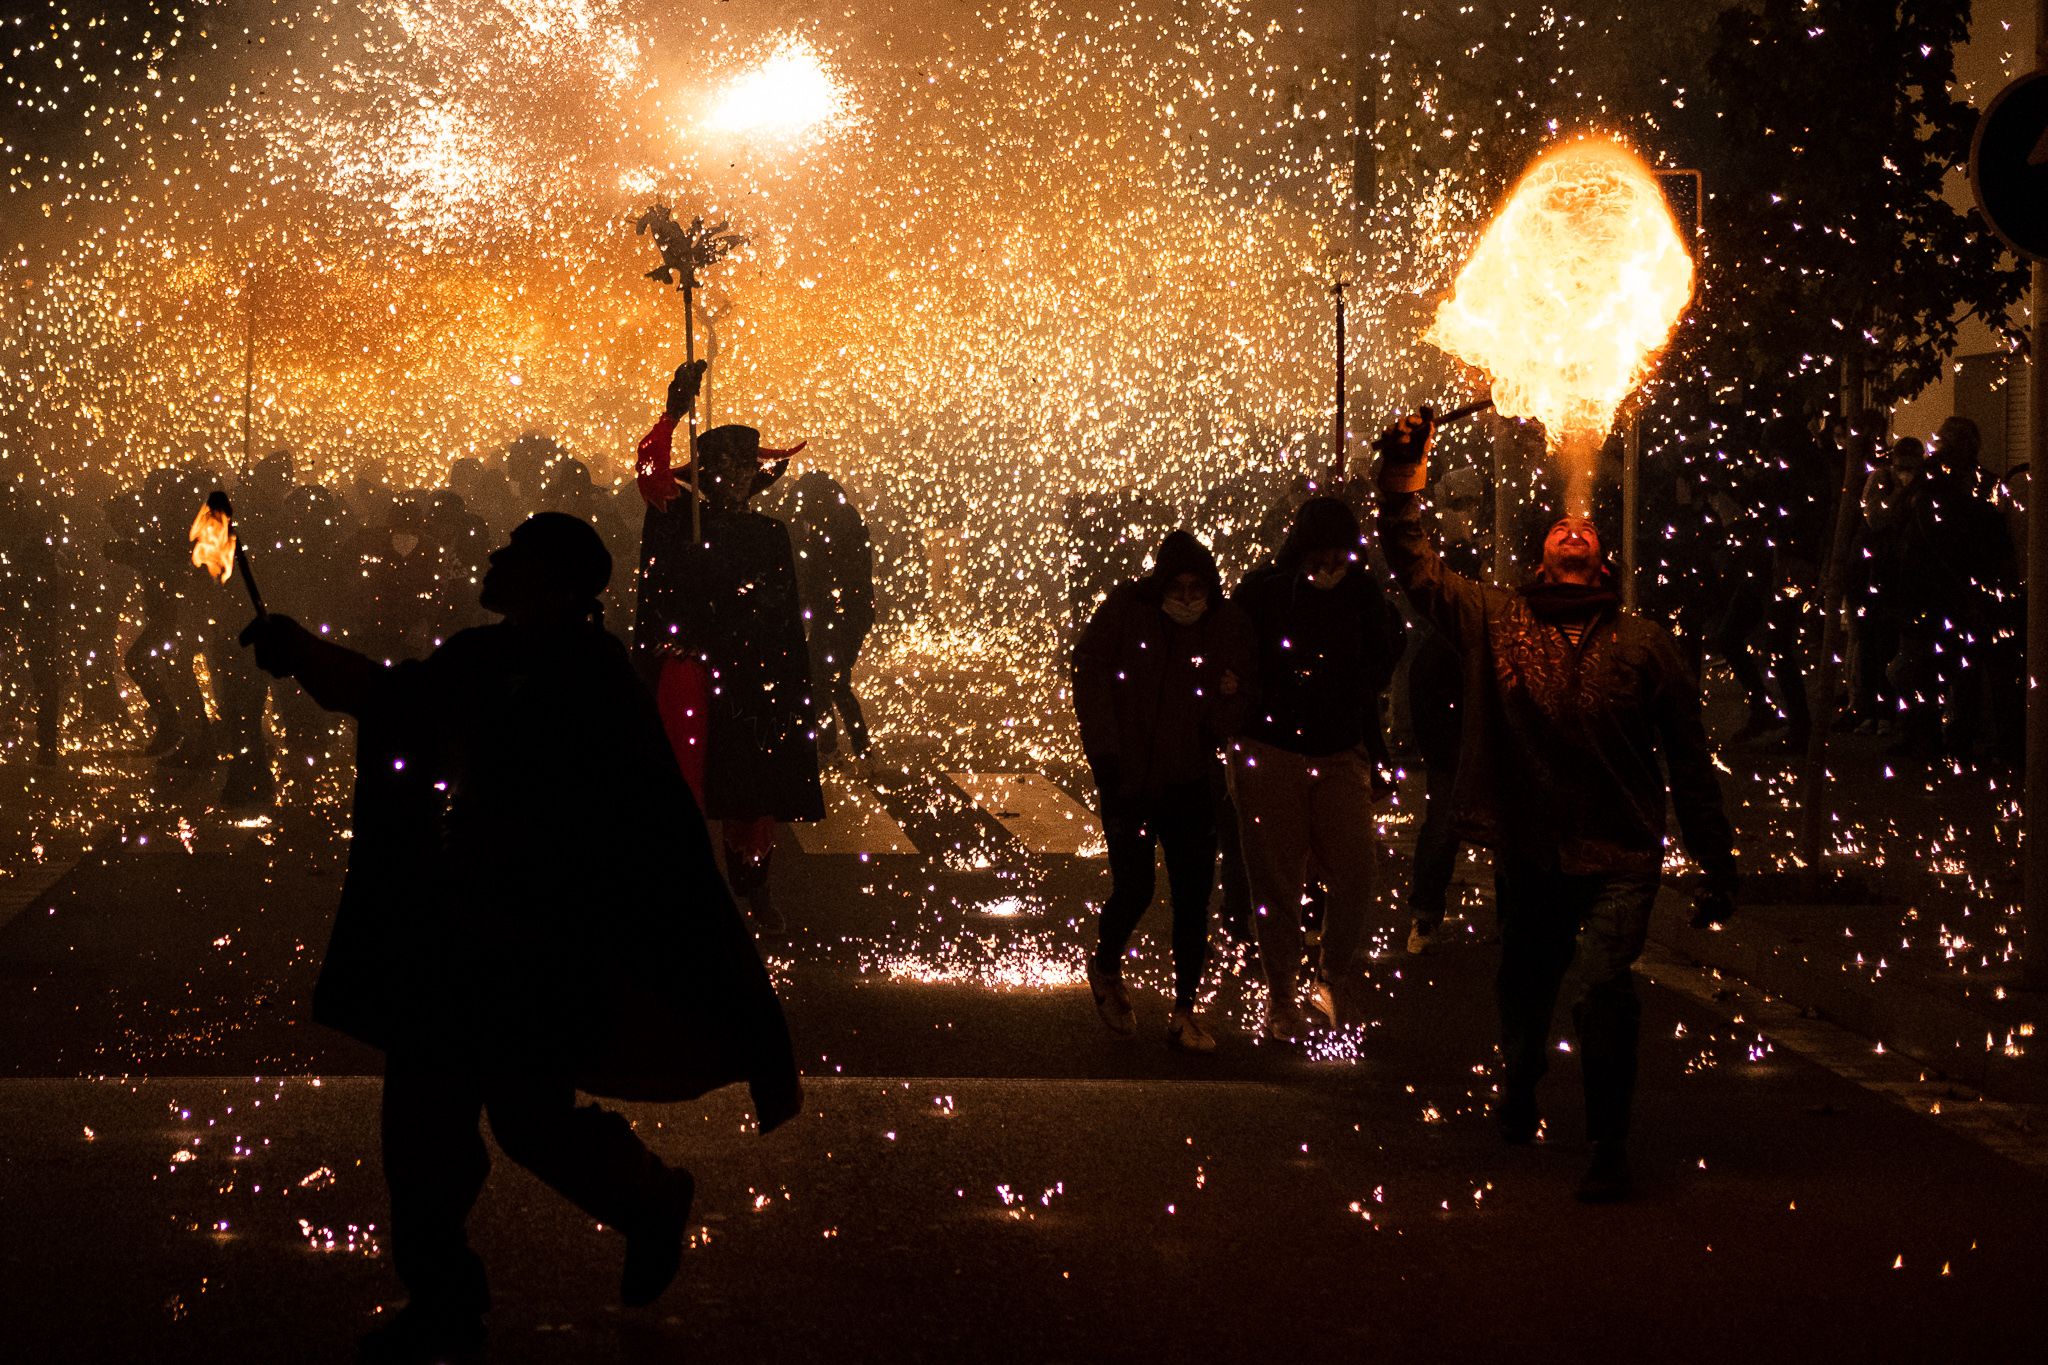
x,y
188,1168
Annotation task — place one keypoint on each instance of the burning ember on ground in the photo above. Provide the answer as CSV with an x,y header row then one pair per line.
x,y
1570,295
213,542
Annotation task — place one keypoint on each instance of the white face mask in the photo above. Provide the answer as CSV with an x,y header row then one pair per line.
x,y
1184,613
1329,578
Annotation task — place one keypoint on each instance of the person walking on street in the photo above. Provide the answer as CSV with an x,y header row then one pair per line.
x,y
1570,703
1160,680
1303,773
531,909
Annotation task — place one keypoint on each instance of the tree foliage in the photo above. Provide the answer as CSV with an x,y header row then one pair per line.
x,y
1832,132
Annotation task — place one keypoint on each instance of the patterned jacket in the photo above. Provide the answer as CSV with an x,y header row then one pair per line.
x,y
1560,759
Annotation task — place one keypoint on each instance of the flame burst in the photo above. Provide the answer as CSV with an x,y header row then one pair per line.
x,y
1571,293
213,543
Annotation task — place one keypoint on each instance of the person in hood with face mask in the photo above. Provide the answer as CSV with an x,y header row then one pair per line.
x,y
1161,674
1580,718
1304,772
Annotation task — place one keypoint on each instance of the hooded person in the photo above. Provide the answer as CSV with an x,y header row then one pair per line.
x,y
1580,718
1304,773
1161,675
719,634
531,909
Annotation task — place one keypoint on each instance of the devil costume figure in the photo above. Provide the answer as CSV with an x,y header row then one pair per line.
x,y
719,635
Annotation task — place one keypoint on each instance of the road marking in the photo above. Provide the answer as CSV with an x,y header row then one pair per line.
x,y
2018,1132
1036,811
854,822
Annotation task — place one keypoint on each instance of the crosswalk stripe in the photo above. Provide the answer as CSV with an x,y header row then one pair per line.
x,y
1036,811
854,822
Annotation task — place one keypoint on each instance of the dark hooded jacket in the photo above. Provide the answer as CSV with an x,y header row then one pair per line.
x,y
1559,761
1325,655
1149,691
530,885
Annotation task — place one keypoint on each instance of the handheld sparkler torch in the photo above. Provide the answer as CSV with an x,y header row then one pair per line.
x,y
215,546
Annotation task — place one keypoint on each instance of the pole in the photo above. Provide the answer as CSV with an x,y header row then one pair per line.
x,y
1338,290
1820,705
1631,505
690,355
249,372
2034,851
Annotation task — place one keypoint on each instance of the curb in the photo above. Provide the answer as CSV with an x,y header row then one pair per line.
x,y
1901,1016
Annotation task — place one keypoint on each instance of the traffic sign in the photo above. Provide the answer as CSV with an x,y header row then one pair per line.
x,y
2009,165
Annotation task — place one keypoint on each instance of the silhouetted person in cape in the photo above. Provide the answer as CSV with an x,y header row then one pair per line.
x,y
532,909
719,633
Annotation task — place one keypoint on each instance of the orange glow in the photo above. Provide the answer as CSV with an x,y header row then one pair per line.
x,y
1570,295
213,543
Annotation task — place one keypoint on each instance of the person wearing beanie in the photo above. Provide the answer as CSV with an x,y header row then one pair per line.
x,y
1304,771
532,908
719,635
1570,703
1161,674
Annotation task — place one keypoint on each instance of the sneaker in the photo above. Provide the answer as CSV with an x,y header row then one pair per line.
x,y
1184,1033
419,1335
1516,1114
655,1252
768,921
1420,938
1112,1001
1285,1023
1323,999
1761,722
1606,1180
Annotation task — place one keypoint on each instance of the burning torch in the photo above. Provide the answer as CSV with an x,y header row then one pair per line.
x,y
216,549
684,252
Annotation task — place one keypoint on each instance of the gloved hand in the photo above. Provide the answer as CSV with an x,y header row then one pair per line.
x,y
1404,453
1714,906
682,390
280,644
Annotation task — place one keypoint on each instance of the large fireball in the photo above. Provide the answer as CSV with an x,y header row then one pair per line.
x,y
1572,291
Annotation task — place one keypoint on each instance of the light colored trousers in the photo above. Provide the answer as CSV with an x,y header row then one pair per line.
x,y
1295,813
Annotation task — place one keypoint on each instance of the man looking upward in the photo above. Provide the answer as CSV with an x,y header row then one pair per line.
x,y
1569,703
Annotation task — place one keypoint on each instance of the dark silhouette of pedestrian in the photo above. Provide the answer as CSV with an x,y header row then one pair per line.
x,y
1434,718
835,580
148,526
719,633
1569,704
532,908
1304,774
1161,677
1954,597
31,609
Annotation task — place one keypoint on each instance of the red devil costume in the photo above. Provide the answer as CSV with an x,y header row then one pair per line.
x,y
719,635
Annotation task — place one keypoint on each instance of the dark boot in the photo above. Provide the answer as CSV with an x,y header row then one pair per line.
x,y
1517,1115
424,1334
768,921
654,1251
1607,1177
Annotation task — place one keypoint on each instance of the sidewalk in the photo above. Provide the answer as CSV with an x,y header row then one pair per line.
x,y
1831,961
